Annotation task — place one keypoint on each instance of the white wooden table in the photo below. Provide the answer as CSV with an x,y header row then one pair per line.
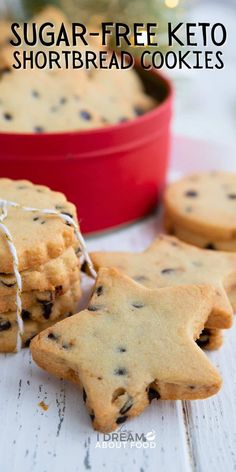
x,y
197,435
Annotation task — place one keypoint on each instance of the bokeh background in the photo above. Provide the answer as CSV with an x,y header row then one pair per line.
x,y
205,100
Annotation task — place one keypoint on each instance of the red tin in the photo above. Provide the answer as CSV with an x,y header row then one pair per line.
x,y
114,175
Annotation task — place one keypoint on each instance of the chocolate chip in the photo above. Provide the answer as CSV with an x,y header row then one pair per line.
x,y
152,394
9,285
138,305
121,419
191,193
36,218
47,309
126,407
85,115
35,93
67,346
52,336
63,100
58,290
140,278
232,196
206,331
203,342
43,222
210,246
4,325
78,251
8,116
120,371
139,111
204,338
84,396
25,315
38,129
99,290
93,308
169,270
92,416
192,387
121,349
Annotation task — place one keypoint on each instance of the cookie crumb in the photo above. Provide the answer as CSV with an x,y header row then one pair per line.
x,y
43,405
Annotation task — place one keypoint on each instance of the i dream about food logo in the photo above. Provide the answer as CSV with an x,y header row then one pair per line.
x,y
186,45
124,439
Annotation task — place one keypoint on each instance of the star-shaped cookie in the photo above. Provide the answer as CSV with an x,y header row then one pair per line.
x,y
170,262
131,345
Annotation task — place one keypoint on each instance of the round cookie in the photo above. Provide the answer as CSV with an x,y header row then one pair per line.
x,y
201,209
42,312
37,237
46,277
37,101
8,303
8,339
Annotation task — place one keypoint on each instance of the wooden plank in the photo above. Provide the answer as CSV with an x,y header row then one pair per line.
x,y
211,424
62,438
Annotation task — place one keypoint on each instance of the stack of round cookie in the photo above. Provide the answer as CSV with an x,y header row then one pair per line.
x,y
48,261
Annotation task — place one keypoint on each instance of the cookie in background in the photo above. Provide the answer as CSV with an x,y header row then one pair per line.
x,y
200,209
90,98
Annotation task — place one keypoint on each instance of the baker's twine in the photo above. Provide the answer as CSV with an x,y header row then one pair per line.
x,y
4,205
